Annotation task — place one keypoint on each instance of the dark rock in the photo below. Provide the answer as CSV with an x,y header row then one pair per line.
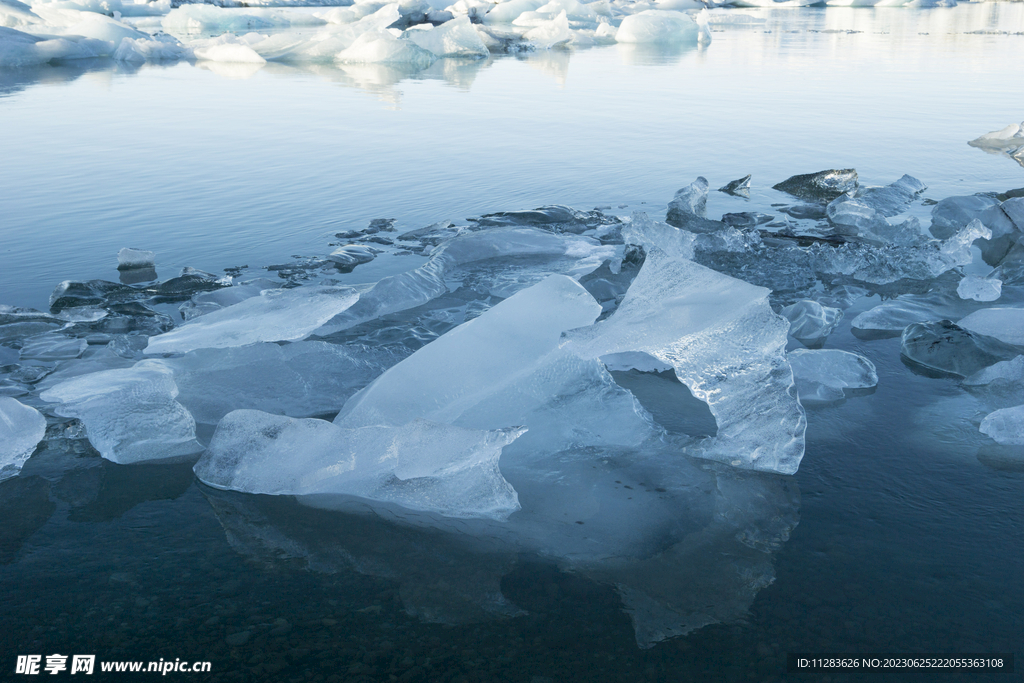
x,y
820,186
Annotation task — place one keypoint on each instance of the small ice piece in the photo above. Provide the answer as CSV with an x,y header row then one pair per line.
x,y
1004,324
829,375
658,26
274,315
820,186
52,346
739,187
980,288
130,415
420,466
21,429
947,348
135,258
455,38
810,322
351,255
688,209
1005,426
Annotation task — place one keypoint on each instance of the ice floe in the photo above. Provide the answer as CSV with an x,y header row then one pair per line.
x,y
21,429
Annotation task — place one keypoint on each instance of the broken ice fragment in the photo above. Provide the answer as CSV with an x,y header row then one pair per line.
x,y
979,288
739,187
455,38
21,429
421,466
820,186
351,255
810,322
274,315
688,209
129,258
1005,426
947,348
828,375
1004,324
130,415
71,293
52,346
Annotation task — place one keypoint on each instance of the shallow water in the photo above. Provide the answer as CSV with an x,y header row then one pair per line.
x,y
908,527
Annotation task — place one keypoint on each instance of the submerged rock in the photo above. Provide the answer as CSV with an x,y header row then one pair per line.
x,y
820,186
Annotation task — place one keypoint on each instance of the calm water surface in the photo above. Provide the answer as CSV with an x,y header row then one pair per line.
x,y
910,528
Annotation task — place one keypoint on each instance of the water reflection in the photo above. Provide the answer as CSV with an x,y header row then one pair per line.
x,y
704,567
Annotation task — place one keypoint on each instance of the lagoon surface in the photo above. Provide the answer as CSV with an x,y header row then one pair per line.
x,y
901,532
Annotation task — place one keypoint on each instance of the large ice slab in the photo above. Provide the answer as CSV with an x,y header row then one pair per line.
x,y
420,466
21,429
274,315
455,38
458,370
130,415
865,213
724,342
829,375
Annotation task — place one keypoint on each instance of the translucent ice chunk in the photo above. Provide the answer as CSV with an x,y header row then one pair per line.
x,y
1004,324
1009,371
52,346
1005,426
867,212
22,49
581,255
275,315
658,26
507,12
455,372
135,258
205,302
953,213
1010,137
724,343
303,379
979,288
21,429
420,466
947,348
350,256
130,415
691,200
810,322
455,38
828,375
